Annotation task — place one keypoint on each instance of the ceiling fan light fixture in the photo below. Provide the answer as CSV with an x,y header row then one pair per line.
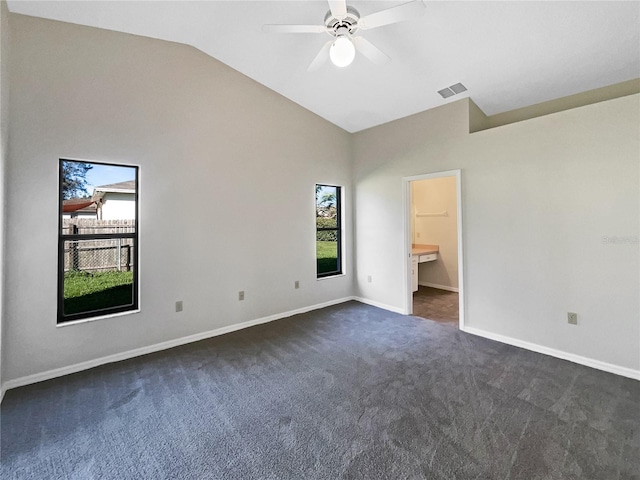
x,y
342,51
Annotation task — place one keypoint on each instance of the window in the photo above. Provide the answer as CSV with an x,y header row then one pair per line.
x,y
328,231
97,239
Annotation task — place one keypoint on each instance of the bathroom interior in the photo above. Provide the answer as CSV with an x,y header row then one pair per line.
x,y
434,255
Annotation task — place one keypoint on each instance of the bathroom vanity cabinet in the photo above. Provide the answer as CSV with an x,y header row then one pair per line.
x,y
421,254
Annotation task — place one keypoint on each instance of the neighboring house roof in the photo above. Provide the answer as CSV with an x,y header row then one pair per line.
x,y
121,187
80,205
128,186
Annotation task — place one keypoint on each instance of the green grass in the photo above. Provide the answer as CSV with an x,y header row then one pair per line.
x,y
84,291
327,256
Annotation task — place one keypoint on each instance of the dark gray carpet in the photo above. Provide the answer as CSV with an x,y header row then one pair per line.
x,y
349,391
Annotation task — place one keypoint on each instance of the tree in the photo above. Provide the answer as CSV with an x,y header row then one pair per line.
x,y
325,201
74,179
328,199
325,198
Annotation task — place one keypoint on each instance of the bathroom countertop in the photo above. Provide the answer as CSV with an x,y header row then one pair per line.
x,y
417,249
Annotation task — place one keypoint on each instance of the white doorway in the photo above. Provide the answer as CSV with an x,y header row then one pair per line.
x,y
446,268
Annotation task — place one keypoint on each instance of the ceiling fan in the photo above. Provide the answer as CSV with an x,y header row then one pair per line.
x,y
342,22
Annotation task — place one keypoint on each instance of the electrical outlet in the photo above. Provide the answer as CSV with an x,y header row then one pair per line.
x,y
369,278
572,318
241,295
179,306
418,234
297,284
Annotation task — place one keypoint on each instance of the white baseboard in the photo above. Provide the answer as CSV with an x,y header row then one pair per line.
x,y
78,367
441,287
379,305
589,362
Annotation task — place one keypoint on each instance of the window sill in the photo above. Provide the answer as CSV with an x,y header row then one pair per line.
x,y
96,318
332,276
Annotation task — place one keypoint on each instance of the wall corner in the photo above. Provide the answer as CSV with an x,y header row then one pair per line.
x,y
478,121
4,143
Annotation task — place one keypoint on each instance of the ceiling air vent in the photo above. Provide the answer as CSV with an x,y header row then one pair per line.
x,y
458,88
446,93
452,90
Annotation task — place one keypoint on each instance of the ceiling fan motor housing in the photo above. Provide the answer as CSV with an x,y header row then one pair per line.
x,y
336,26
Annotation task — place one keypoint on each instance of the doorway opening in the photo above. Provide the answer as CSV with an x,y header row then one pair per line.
x,y
433,246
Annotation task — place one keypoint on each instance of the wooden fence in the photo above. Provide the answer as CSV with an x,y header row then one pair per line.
x,y
95,255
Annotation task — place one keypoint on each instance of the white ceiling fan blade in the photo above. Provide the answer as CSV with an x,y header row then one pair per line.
x,y
321,58
338,8
294,28
397,14
369,50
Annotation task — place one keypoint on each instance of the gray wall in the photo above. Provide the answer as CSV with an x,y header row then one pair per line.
x,y
4,147
539,198
227,176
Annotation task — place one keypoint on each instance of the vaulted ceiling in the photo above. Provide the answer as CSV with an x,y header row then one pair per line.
x,y
509,54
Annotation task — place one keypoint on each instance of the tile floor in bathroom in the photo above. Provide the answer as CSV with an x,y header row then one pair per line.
x,y
436,304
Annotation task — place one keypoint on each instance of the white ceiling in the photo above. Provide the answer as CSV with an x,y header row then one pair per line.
x,y
508,54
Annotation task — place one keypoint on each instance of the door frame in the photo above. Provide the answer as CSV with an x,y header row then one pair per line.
x,y
406,193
